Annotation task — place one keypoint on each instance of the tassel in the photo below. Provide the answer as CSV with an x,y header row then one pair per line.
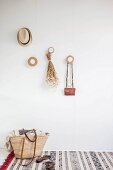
x,y
52,78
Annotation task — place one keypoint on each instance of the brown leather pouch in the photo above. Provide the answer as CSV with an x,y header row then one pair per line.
x,y
69,91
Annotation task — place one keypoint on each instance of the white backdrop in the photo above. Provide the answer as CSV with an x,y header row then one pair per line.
x,y
82,28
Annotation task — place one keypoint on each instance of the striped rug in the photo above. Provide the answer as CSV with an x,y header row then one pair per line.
x,y
70,160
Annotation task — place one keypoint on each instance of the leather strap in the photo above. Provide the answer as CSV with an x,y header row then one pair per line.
x,y
67,74
34,141
35,135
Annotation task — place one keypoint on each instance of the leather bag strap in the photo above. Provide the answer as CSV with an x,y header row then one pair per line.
x,y
35,135
34,141
67,75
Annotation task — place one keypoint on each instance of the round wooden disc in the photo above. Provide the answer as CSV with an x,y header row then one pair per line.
x,y
32,61
51,50
70,59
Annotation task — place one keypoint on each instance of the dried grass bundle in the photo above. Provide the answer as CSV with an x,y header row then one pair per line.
x,y
52,78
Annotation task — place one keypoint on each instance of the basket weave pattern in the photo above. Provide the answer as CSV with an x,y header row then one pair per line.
x,y
28,150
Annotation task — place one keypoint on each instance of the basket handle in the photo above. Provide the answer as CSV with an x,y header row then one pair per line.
x,y
35,135
32,131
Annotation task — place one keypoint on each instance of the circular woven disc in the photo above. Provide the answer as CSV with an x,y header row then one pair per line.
x,y
32,61
70,59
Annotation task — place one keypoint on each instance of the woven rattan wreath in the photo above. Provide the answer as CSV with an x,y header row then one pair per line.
x,y
32,61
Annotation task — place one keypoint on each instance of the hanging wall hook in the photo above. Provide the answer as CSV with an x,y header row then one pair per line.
x,y
70,59
51,50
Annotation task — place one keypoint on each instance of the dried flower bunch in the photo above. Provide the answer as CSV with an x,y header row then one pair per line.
x,y
52,78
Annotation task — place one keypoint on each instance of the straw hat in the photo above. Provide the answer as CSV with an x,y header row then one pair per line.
x,y
24,36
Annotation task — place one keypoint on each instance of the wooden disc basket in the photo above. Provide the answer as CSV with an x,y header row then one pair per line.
x,y
29,144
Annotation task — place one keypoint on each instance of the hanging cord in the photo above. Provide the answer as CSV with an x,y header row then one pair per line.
x,y
72,74
52,78
67,74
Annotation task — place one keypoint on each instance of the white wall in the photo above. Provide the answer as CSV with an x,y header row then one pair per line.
x,y
83,28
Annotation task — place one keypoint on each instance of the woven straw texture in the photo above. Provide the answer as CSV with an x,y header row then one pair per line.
x,y
28,150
